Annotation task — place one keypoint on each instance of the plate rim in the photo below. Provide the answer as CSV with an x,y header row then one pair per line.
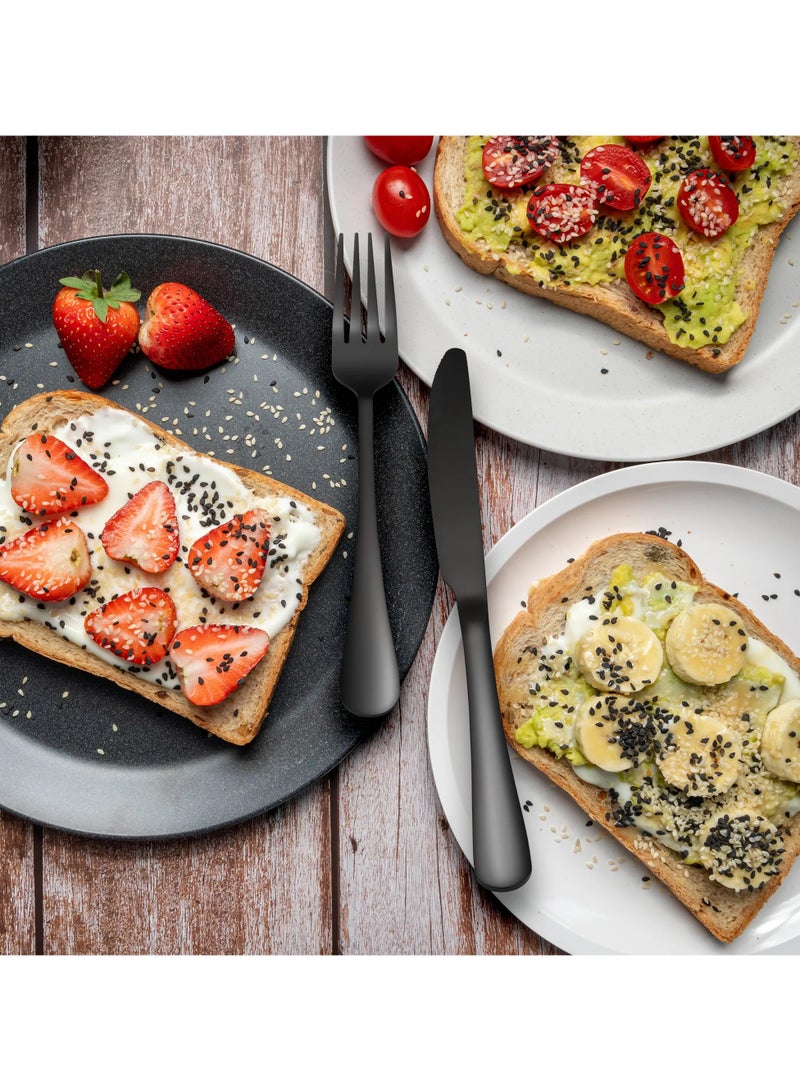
x,y
684,471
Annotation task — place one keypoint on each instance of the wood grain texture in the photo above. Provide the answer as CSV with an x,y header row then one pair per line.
x,y
256,194
17,881
12,197
263,887
364,862
235,892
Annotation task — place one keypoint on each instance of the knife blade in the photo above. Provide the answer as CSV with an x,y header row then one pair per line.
x,y
501,854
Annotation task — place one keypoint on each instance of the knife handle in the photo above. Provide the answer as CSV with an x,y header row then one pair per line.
x,y
370,680
502,859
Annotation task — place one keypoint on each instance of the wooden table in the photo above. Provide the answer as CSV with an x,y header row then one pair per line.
x,y
362,862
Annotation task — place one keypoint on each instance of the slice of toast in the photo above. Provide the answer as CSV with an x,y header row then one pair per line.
x,y
518,657
238,718
458,187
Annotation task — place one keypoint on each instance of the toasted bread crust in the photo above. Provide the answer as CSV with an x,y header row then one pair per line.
x,y
239,717
613,304
725,913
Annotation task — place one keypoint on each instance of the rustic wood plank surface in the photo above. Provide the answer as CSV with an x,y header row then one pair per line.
x,y
19,843
362,862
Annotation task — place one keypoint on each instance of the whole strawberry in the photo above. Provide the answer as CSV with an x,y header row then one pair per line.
x,y
181,331
97,327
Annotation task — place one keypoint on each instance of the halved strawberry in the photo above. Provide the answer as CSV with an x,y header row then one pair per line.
x,y
214,660
137,626
50,562
144,532
229,561
48,477
181,331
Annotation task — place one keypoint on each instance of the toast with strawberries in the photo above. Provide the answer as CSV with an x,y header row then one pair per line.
x,y
126,553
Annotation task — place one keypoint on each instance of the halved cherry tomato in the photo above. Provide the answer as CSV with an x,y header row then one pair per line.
x,y
513,161
733,152
402,150
654,268
707,203
562,212
622,177
401,201
643,139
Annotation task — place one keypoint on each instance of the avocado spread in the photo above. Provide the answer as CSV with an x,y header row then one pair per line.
x,y
706,313
640,795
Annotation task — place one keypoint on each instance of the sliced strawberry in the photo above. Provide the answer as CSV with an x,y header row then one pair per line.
x,y
229,561
137,626
214,660
50,562
49,478
144,532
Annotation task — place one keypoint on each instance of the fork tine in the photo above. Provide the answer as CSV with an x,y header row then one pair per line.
x,y
338,292
372,293
355,292
390,316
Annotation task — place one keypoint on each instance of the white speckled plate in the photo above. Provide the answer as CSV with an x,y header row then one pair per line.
x,y
587,894
554,379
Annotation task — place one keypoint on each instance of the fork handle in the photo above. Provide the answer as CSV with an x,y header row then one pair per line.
x,y
370,680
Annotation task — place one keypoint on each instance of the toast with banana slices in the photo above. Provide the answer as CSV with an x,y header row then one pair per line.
x,y
669,713
597,225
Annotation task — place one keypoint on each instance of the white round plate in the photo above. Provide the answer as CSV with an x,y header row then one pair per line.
x,y
587,895
554,379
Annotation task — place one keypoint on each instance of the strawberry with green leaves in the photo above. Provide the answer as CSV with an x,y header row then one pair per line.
x,y
137,626
97,327
50,562
212,661
181,331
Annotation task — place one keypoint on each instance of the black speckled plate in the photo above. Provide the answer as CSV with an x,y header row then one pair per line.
x,y
82,754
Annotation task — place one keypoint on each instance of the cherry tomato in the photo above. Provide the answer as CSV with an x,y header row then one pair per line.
x,y
403,150
401,201
733,152
513,161
622,177
707,203
643,139
562,212
654,267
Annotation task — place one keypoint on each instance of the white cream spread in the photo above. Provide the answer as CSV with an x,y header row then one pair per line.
x,y
128,455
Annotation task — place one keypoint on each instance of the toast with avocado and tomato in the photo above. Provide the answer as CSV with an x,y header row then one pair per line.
x,y
126,553
669,240
671,714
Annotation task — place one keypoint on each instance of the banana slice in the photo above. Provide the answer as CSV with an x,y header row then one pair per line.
x,y
780,741
740,850
706,644
699,754
619,655
614,733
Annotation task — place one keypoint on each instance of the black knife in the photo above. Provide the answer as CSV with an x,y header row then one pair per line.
x,y
501,855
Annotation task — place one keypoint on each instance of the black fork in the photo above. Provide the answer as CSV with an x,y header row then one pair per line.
x,y
365,362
